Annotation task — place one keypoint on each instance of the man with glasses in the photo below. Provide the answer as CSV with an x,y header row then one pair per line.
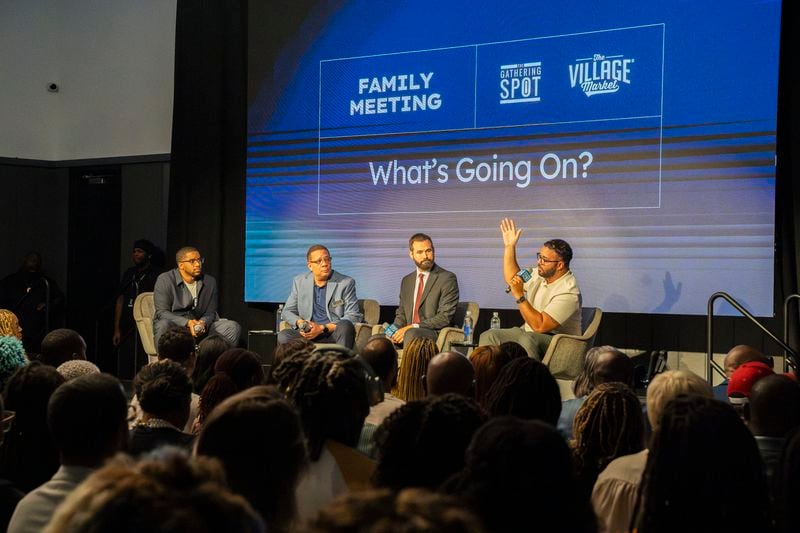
x,y
549,302
186,297
323,306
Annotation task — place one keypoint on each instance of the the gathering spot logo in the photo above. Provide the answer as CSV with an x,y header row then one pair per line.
x,y
600,74
519,83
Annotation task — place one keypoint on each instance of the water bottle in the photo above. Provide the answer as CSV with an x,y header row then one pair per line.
x,y
389,329
278,319
495,324
468,327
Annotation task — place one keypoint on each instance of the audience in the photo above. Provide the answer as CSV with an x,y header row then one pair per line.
x,y
737,356
28,457
258,437
416,356
236,369
703,472
381,355
422,443
87,423
409,511
77,368
512,350
488,361
743,379
603,364
62,345
164,393
12,358
165,491
450,372
525,389
519,476
787,484
290,347
614,493
208,351
9,495
9,325
608,425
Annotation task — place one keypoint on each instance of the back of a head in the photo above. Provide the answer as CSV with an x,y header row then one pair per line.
x,y
62,345
87,418
416,356
740,354
518,471
787,484
667,386
259,439
526,389
27,393
513,350
235,370
164,391
77,368
613,366
450,372
487,362
680,481
288,349
12,357
9,324
381,355
422,443
330,392
290,364
208,351
177,344
743,378
166,491
774,407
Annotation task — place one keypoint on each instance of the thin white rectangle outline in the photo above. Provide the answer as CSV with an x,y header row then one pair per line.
x,y
475,93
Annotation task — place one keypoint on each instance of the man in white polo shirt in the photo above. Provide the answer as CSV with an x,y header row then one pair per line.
x,y
549,302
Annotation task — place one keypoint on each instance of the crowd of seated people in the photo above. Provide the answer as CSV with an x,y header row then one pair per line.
x,y
333,440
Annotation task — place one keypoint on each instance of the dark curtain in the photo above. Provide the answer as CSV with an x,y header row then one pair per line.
x,y
206,193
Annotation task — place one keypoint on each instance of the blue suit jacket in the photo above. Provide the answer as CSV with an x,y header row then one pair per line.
x,y
341,299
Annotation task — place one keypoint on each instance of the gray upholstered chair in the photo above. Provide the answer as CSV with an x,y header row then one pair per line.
x,y
371,310
566,353
143,312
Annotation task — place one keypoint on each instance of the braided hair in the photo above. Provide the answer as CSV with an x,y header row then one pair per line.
x,y
608,425
526,389
416,356
329,389
9,324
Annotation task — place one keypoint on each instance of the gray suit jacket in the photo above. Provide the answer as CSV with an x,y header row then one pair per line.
x,y
174,302
439,300
341,299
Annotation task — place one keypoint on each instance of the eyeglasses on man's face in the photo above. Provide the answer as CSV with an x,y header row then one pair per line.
x,y
322,261
195,261
542,259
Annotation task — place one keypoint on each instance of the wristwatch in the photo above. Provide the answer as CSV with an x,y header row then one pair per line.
x,y
325,329
520,299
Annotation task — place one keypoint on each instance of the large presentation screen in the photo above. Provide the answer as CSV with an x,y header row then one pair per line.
x,y
642,133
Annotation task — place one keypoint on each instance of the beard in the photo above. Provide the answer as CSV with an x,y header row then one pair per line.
x,y
425,264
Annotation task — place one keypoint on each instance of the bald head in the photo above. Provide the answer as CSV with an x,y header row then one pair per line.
x,y
774,406
450,372
613,365
739,355
381,355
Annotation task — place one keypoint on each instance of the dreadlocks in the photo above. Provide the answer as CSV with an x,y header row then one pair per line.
x,y
526,389
608,425
416,357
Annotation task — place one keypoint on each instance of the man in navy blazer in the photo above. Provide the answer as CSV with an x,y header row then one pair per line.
x,y
430,290
323,306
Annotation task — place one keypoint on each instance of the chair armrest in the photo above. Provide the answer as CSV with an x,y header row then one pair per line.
x,y
565,355
449,335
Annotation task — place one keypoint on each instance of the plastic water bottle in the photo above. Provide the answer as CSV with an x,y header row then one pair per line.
x,y
468,327
278,314
495,324
389,329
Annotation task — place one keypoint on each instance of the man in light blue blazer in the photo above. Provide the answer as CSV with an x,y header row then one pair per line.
x,y
323,305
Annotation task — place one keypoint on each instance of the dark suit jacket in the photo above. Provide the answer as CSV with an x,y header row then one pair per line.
x,y
439,300
174,302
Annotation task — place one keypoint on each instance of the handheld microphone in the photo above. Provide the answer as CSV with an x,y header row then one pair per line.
x,y
524,275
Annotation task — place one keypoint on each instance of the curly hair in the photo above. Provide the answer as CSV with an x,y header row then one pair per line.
x,y
12,357
236,370
9,324
163,389
416,356
526,389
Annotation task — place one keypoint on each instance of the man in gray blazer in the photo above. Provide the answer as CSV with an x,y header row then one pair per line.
x,y
323,305
428,296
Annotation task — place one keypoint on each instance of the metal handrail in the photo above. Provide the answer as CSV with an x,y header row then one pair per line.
x,y
712,365
786,330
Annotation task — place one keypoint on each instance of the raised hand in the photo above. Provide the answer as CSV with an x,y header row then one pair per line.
x,y
510,232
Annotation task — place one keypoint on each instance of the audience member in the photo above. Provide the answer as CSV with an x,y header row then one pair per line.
x,y
519,476
258,437
410,511
290,347
77,368
513,349
737,356
703,472
525,389
164,393
28,457
236,369
381,355
423,442
12,357
614,494
787,484
329,390
608,425
62,345
9,325
87,423
742,380
208,351
773,411
416,356
9,495
603,364
166,491
450,372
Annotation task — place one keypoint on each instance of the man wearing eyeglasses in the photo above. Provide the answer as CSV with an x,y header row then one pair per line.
x,y
186,297
549,302
323,306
